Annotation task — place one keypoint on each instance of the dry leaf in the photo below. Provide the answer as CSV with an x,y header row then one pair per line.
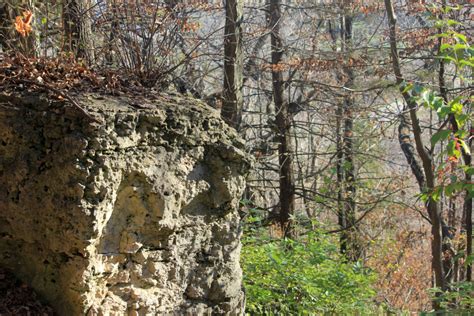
x,y
23,23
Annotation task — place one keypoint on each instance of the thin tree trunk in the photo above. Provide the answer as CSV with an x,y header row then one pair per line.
x,y
341,214
233,64
109,55
283,123
427,163
77,29
409,152
354,249
467,220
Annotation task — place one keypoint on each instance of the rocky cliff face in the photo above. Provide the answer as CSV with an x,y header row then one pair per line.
x,y
135,214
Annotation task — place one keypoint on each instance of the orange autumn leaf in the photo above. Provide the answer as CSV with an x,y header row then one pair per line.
x,y
23,23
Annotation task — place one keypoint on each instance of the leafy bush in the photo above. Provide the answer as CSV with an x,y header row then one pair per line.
x,y
458,300
306,276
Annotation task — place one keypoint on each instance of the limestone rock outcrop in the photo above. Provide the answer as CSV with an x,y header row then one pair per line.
x,y
135,213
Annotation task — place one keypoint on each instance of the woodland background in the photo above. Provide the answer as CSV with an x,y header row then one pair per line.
x,y
357,112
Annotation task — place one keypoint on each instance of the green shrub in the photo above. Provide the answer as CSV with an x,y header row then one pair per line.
x,y
302,277
458,300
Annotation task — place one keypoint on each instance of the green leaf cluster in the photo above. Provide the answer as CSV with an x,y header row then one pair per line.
x,y
303,277
452,142
460,53
458,300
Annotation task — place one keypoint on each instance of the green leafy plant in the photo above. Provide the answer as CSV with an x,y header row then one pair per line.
x,y
454,134
302,277
459,299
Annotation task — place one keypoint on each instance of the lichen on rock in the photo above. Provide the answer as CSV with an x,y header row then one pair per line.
x,y
134,214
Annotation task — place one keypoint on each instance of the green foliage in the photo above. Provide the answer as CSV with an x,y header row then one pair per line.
x,y
439,136
459,299
458,52
302,277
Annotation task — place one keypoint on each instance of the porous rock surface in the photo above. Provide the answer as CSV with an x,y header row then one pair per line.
x,y
134,214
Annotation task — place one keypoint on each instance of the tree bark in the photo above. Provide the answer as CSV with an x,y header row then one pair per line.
x,y
468,219
77,29
354,248
341,214
409,152
233,64
283,123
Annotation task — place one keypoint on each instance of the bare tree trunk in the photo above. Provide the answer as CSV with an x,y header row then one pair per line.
x,y
354,249
283,122
467,209
109,54
409,152
468,220
233,64
77,29
426,159
341,214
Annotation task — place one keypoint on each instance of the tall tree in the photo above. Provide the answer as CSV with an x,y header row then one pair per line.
x,y
77,29
426,159
233,64
283,121
349,236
